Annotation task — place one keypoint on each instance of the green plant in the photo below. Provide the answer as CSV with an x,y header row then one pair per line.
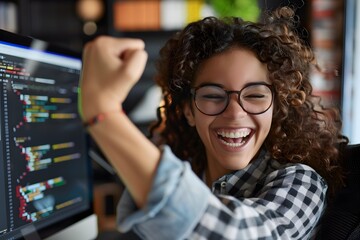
x,y
246,9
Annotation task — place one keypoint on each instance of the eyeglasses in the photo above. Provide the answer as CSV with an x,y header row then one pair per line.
x,y
211,99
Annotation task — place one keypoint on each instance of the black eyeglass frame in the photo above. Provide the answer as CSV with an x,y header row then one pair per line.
x,y
229,92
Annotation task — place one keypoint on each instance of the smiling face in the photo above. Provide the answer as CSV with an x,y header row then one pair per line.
x,y
233,138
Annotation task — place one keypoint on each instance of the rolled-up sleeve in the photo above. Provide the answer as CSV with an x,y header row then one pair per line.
x,y
177,201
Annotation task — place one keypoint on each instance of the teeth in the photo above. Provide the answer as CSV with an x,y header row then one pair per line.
x,y
238,134
233,144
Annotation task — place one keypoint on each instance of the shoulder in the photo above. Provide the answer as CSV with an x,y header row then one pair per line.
x,y
273,170
267,176
298,176
295,169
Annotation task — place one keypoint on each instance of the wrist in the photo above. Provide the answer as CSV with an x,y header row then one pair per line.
x,y
98,118
93,103
94,106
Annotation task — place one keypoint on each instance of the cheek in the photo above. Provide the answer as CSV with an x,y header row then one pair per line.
x,y
202,124
265,122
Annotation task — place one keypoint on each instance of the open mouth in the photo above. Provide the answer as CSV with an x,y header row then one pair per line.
x,y
234,138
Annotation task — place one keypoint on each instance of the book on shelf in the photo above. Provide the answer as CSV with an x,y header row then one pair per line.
x,y
153,15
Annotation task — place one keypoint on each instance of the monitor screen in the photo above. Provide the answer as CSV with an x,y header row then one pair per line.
x,y
45,172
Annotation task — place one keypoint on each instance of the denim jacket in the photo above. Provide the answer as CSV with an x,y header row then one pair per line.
x,y
265,200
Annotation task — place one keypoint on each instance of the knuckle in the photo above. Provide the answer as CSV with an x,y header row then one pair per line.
x,y
100,41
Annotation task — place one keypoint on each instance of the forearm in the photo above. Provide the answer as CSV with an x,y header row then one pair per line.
x,y
132,155
176,203
111,67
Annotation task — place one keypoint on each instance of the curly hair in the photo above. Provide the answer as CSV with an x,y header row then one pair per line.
x,y
302,131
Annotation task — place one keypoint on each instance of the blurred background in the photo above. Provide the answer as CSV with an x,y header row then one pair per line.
x,y
329,26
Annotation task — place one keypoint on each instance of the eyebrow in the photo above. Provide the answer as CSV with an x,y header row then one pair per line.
x,y
222,86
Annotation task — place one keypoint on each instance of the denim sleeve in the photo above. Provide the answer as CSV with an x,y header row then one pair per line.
x,y
177,201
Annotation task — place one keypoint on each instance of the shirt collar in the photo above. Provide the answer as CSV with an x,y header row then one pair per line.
x,y
245,178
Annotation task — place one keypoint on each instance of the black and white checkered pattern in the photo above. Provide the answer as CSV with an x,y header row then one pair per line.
x,y
266,200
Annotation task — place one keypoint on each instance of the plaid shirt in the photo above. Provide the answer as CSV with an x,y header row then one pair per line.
x,y
266,200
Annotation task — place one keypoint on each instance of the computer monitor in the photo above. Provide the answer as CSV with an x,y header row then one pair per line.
x,y
45,171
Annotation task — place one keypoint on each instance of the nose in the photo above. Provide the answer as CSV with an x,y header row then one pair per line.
x,y
234,109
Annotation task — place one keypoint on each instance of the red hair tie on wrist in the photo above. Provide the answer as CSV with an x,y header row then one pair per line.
x,y
98,118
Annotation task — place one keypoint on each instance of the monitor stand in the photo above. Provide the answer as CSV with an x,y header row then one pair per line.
x,y
85,229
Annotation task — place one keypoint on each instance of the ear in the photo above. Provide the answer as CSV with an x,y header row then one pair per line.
x,y
189,115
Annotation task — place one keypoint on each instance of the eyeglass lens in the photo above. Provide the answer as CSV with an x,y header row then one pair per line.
x,y
213,100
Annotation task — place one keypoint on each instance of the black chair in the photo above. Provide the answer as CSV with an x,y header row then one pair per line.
x,y
342,217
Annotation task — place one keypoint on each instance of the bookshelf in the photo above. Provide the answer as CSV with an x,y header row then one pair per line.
x,y
327,41
155,15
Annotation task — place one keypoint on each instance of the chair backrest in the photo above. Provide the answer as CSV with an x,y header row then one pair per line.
x,y
342,217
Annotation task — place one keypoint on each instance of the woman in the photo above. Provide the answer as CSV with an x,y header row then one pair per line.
x,y
238,108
